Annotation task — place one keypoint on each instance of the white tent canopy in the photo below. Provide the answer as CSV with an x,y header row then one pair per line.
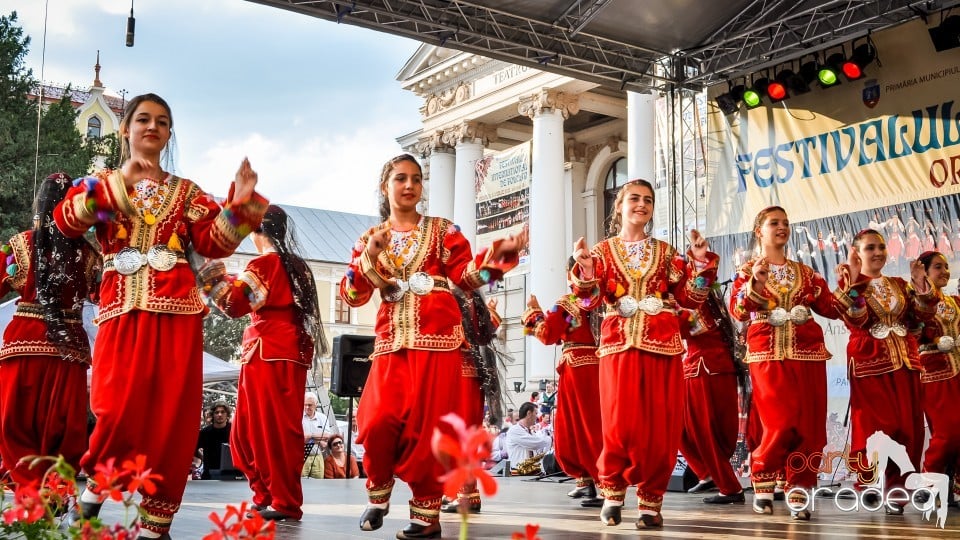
x,y
214,369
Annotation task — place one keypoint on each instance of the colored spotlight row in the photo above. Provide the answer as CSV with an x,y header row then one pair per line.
x,y
788,82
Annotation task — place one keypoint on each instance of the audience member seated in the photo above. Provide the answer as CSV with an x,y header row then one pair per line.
x,y
337,464
213,437
522,443
317,429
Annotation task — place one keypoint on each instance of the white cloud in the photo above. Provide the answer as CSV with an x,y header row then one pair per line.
x,y
336,173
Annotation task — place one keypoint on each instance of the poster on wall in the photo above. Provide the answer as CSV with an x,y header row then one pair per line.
x,y
881,152
503,197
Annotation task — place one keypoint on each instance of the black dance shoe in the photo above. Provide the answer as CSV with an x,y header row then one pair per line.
x,y
582,491
762,506
416,530
702,486
736,498
647,521
81,511
453,507
892,509
610,514
164,536
592,502
255,508
273,515
372,518
801,515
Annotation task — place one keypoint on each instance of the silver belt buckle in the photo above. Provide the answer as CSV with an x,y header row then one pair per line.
x,y
627,306
128,261
778,316
800,314
393,293
946,343
161,258
881,331
420,283
651,305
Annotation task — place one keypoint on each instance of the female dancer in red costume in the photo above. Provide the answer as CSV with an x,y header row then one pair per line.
x,y
940,385
633,275
45,353
145,218
711,419
577,441
882,314
417,362
284,338
787,357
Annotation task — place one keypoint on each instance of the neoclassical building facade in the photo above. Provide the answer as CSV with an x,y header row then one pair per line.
x,y
586,141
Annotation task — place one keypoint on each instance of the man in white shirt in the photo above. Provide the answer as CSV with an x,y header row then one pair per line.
x,y
522,442
317,429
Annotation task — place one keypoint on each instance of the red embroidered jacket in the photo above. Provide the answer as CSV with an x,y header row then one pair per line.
x,y
431,321
262,290
941,365
568,324
663,273
708,352
792,341
888,302
26,334
185,216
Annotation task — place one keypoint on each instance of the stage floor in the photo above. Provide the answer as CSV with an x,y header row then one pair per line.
x,y
332,510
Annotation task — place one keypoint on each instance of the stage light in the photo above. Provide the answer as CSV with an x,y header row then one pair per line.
x,y
947,35
776,91
863,54
753,95
729,103
829,73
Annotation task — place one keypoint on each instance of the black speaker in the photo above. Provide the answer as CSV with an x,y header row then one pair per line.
x,y
351,364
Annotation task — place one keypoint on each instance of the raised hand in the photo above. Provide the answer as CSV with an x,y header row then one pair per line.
x,y
377,242
581,254
918,275
136,169
244,182
698,245
532,303
512,244
761,271
854,266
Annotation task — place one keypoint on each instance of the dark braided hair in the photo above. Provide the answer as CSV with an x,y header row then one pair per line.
x,y
302,284
479,332
60,270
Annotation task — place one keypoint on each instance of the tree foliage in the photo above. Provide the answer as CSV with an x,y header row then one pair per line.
x,y
222,335
24,162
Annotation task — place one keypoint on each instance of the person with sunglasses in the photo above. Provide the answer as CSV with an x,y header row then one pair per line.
x,y
339,464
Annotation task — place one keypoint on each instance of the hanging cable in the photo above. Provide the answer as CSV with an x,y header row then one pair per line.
x,y
43,58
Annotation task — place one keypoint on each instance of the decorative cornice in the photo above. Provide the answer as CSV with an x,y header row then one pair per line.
x,y
469,131
433,142
437,103
549,100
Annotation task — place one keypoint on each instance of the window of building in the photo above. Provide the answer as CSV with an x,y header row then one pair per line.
x,y
616,177
93,127
342,314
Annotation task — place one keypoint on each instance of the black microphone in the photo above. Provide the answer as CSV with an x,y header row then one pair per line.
x,y
131,22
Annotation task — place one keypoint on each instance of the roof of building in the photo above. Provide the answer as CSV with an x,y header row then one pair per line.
x,y
323,235
52,92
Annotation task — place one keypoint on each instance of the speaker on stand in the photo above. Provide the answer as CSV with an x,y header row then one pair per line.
x,y
348,374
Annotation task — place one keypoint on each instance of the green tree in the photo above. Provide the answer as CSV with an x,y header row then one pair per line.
x,y
222,335
22,161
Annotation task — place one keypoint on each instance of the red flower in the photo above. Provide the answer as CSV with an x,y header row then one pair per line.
x,y
140,475
462,455
107,478
529,534
245,528
27,506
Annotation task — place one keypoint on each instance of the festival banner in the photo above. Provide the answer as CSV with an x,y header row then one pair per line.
x,y
503,197
882,141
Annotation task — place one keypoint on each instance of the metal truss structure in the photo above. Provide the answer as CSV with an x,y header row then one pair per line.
x,y
567,37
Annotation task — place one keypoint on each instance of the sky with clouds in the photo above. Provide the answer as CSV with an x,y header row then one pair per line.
x,y
315,105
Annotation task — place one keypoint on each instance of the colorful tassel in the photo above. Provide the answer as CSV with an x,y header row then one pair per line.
x,y
121,232
174,243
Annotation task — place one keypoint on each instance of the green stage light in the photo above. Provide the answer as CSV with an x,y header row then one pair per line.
x,y
751,98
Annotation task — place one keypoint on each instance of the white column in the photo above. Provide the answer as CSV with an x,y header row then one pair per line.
x,y
548,214
469,151
590,212
442,166
641,127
